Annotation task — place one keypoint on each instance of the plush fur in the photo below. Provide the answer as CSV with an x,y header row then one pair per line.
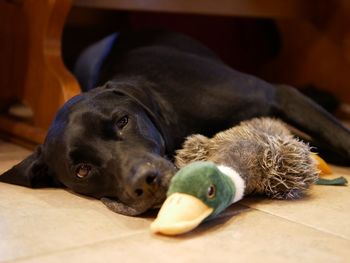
x,y
264,152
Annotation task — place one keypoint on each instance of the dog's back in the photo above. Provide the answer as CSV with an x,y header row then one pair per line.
x,y
208,96
155,89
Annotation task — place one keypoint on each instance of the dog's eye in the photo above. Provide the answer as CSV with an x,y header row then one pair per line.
x,y
122,122
83,170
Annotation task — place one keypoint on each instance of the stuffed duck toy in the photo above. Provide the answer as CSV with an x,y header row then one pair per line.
x,y
258,156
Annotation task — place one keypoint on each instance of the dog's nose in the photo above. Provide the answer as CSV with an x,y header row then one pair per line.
x,y
146,181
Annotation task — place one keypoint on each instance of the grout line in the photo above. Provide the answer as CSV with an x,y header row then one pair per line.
x,y
296,222
303,224
19,259
38,256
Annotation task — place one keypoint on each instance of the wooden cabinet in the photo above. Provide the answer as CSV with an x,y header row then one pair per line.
x,y
31,68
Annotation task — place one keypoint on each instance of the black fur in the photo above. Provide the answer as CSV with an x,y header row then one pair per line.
x,y
169,86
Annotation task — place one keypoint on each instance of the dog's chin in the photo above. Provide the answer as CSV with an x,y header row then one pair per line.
x,y
134,209
120,208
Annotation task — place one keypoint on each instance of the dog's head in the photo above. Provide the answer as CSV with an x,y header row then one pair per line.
x,y
108,143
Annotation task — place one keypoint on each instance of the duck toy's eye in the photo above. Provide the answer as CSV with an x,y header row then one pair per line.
x,y
211,191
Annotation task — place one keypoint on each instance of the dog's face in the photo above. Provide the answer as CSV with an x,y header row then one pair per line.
x,y
103,143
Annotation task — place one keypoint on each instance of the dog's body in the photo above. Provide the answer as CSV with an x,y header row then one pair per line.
x,y
157,88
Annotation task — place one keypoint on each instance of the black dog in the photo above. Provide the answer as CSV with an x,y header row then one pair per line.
x,y
115,141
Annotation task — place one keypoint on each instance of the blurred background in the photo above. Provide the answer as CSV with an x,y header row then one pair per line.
x,y
301,43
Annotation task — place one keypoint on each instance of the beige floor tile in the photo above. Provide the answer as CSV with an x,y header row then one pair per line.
x,y
13,149
46,220
11,154
326,208
250,236
54,225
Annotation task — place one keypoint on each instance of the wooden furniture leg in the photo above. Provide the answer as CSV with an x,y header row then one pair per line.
x,y
31,68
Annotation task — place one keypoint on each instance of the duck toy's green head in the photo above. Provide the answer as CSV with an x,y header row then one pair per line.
x,y
197,191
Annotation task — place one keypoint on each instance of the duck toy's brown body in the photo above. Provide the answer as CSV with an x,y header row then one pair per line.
x,y
263,152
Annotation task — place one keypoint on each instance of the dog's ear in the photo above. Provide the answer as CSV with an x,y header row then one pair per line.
x,y
31,172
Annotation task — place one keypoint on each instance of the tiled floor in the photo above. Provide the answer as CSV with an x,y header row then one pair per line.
x,y
54,225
